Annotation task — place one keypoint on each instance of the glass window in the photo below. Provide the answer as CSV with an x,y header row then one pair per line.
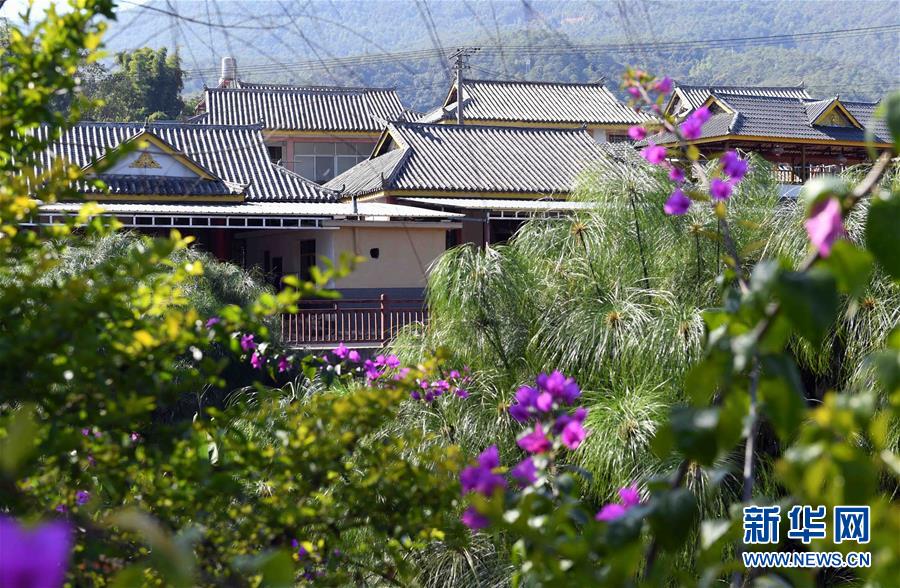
x,y
324,148
324,168
304,148
345,163
305,166
275,153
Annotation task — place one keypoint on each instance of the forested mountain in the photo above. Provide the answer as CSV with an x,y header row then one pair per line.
x,y
321,41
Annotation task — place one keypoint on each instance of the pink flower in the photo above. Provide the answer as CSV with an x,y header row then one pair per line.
x,y
572,435
637,133
634,91
702,114
733,166
525,473
825,225
256,360
692,128
676,174
535,442
340,351
654,153
283,365
353,356
35,558
135,437
629,497
677,204
610,512
663,86
473,519
720,190
247,342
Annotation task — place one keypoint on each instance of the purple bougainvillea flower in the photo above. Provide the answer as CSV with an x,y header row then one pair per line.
x,y
481,478
559,387
135,437
572,435
247,342
256,360
663,86
462,393
354,356
610,512
544,402
35,558
825,226
212,322
536,441
630,496
454,374
677,204
564,419
372,371
691,128
526,398
91,461
283,365
637,133
473,519
634,91
392,361
654,153
62,508
82,497
733,166
676,174
719,189
702,114
340,351
525,472
86,432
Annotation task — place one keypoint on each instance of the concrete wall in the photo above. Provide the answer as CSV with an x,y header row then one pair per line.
x,y
404,254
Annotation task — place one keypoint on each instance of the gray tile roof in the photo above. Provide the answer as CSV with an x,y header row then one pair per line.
x,y
296,108
166,186
235,154
474,158
538,102
787,118
695,96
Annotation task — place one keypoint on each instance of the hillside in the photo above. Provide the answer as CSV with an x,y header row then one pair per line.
x,y
322,41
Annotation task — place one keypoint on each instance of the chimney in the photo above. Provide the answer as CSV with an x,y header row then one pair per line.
x,y
229,72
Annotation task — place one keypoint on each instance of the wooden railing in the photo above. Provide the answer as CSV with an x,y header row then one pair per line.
x,y
374,320
798,174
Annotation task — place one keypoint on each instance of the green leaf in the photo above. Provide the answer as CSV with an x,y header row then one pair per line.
x,y
883,233
694,432
781,392
674,513
19,441
278,570
892,115
850,266
818,189
810,301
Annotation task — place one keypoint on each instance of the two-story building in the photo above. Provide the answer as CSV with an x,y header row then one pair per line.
x,y
801,135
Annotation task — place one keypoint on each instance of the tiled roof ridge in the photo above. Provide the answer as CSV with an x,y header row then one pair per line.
x,y
171,123
581,129
719,87
598,84
305,90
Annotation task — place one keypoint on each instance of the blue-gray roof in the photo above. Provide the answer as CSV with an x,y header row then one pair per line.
x,y
235,155
474,159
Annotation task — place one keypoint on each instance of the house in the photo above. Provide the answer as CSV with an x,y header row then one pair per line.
x,y
318,132
801,135
495,175
217,183
539,104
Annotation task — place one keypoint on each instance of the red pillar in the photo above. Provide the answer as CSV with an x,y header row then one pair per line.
x,y
221,244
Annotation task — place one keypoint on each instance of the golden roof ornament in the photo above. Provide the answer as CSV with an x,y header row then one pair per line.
x,y
145,161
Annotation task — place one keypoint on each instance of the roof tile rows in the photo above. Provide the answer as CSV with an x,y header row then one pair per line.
x,y
235,154
695,96
538,102
475,159
296,108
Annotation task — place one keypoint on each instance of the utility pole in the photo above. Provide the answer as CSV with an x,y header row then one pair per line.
x,y
460,59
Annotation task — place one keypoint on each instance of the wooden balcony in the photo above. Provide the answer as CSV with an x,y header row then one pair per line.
x,y
798,174
361,322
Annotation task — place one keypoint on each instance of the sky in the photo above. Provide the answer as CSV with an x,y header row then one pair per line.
x,y
12,8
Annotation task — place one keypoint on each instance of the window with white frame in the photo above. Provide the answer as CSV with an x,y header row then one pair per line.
x,y
322,161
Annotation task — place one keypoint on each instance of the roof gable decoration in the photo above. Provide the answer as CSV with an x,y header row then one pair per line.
x,y
718,105
835,114
153,157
